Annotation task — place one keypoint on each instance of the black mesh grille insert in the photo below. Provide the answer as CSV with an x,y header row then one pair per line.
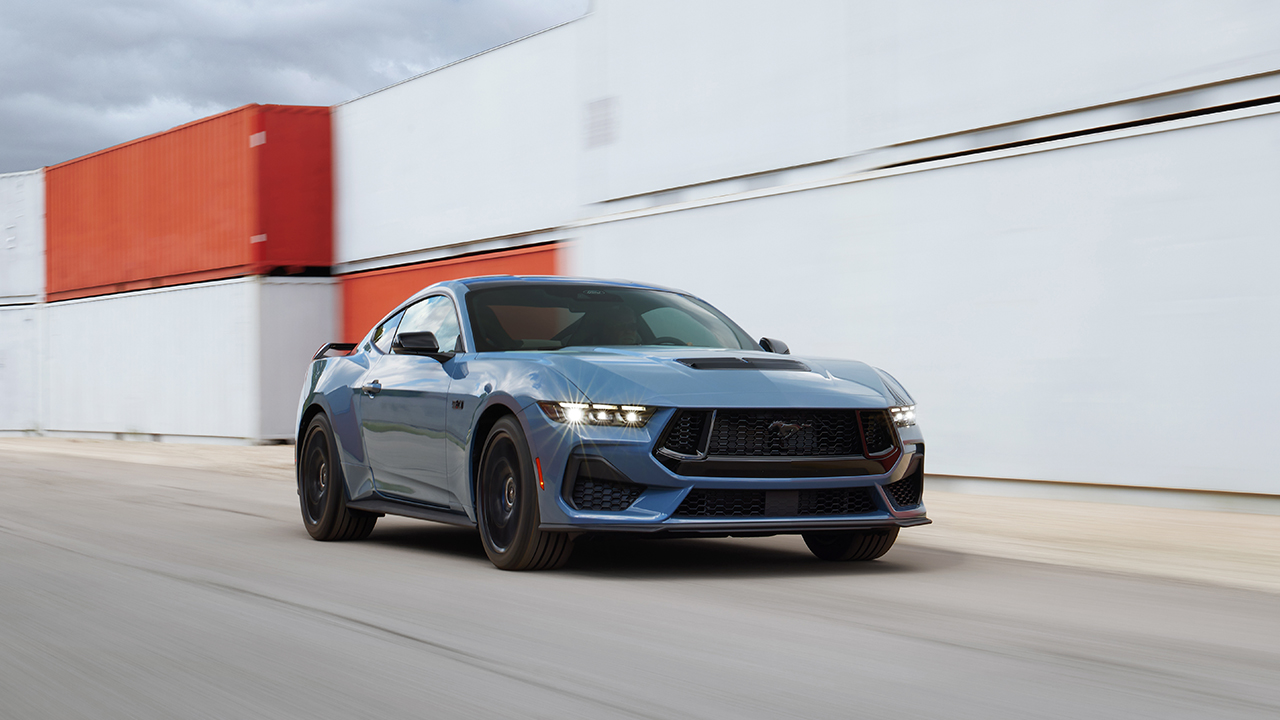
x,y
907,491
701,503
875,429
783,433
722,503
685,432
836,501
589,494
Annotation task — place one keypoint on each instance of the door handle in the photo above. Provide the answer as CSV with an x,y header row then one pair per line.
x,y
372,388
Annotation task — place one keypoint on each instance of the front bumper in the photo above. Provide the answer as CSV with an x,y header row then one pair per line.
x,y
560,447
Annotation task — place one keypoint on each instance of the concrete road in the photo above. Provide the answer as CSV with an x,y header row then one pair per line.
x,y
136,588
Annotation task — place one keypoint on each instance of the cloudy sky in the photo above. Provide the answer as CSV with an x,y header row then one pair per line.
x,y
80,75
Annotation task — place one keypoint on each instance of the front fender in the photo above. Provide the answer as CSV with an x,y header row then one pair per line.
x,y
488,384
331,387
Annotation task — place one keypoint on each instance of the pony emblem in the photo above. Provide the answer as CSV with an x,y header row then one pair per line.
x,y
786,430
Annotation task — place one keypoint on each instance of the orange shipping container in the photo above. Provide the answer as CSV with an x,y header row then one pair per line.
x,y
246,192
368,296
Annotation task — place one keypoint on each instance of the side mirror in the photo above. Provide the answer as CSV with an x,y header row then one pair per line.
x,y
774,346
418,343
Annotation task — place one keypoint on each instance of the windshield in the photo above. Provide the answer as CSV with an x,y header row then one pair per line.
x,y
551,317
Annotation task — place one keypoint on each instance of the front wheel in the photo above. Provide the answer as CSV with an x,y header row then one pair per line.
x,y
507,505
320,488
839,546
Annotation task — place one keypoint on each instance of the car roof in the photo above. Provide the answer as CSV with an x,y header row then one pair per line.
x,y
492,281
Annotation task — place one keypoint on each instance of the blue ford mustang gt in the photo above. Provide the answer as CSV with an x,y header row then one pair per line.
x,y
541,408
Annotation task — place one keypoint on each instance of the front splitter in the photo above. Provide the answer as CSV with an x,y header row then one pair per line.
x,y
775,526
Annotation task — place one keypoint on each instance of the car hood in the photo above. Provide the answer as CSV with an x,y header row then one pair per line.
x,y
656,377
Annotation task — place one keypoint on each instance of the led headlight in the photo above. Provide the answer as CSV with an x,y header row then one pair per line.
x,y
903,416
597,413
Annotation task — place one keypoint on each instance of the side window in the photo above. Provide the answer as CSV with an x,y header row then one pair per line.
x,y
435,315
383,333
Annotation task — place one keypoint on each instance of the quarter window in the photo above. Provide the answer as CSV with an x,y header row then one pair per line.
x,y
435,315
383,333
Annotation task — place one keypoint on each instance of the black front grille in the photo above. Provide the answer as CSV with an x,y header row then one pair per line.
x,y
785,433
907,491
684,433
836,501
700,503
876,432
592,494
722,503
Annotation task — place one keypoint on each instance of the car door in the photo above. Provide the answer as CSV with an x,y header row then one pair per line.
x,y
403,409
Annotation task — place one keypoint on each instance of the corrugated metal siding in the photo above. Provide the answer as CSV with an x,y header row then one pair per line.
x,y
187,204
368,296
19,367
1096,314
22,237
200,360
482,149
295,180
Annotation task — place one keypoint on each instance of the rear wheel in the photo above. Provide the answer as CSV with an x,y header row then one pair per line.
x,y
320,489
851,544
507,505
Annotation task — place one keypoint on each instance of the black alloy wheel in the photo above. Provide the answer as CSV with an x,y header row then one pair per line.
x,y
507,505
841,545
320,489
502,493
315,477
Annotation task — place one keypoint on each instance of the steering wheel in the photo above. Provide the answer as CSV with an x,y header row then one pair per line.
x,y
668,340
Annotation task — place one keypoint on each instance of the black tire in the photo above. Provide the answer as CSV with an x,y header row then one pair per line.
x,y
322,491
507,505
839,546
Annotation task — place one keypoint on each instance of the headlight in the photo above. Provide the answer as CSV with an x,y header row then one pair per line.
x,y
904,416
597,413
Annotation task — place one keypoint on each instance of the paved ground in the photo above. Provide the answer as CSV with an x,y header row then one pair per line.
x,y
160,581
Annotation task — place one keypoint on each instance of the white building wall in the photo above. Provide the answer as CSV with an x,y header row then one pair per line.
x,y
22,237
481,149
701,91
19,368
214,360
1099,313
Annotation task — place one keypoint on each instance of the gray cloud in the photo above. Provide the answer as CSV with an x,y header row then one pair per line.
x,y
79,76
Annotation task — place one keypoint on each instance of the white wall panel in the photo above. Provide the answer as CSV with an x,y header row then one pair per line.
x,y
712,89
699,91
483,148
1103,313
297,317
19,367
197,360
22,237
928,67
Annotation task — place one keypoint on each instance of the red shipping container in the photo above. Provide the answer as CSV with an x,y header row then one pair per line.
x,y
367,296
245,192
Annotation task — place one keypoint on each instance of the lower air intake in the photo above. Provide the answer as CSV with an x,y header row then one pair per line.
x,y
907,491
722,503
775,503
837,501
592,494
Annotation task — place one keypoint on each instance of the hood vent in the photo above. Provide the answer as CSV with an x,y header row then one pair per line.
x,y
737,363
